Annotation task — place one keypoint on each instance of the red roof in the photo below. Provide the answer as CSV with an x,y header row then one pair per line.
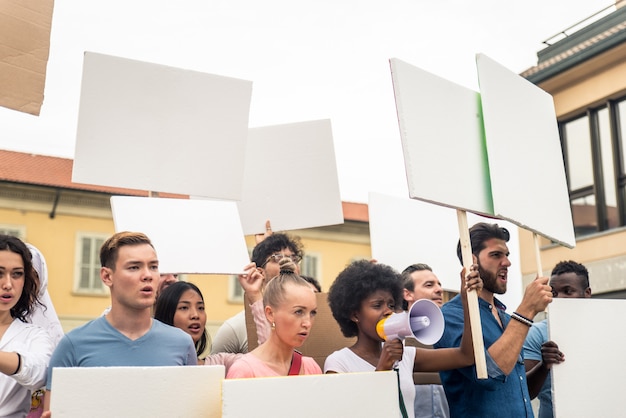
x,y
42,170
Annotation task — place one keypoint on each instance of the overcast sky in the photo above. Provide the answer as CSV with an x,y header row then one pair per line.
x,y
307,60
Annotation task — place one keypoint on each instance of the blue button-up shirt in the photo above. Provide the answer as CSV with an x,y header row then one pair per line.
x,y
497,396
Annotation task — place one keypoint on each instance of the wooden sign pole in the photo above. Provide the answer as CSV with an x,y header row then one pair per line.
x,y
472,299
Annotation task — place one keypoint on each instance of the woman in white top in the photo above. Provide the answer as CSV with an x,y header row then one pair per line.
x,y
25,349
362,295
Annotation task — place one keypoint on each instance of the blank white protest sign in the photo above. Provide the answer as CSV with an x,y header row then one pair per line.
x,y
190,236
105,392
290,178
363,395
589,382
525,158
406,231
442,140
152,127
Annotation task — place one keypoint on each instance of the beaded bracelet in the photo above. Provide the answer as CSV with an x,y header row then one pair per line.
x,y
522,319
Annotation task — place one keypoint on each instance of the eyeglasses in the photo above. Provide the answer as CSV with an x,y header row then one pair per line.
x,y
279,256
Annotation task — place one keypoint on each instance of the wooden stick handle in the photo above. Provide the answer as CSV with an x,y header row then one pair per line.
x,y
472,299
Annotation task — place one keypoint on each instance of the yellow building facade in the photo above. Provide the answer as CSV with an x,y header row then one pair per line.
x,y
68,222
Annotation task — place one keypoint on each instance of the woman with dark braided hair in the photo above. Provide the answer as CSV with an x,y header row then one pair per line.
x,y
25,349
290,307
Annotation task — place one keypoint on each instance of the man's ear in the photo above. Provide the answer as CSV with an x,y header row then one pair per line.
x,y
474,259
408,296
106,276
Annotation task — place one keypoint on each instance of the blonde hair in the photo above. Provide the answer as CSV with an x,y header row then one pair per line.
x,y
274,293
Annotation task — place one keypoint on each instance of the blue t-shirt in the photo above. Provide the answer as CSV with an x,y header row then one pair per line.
x,y
98,344
537,335
497,396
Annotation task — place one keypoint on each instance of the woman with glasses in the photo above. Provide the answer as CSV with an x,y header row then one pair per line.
x,y
290,308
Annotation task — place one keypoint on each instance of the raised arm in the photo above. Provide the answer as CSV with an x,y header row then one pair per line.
x,y
505,351
427,360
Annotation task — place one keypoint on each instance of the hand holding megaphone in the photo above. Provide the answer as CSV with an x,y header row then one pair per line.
x,y
423,321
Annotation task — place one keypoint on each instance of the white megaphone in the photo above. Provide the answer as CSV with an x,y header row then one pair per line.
x,y
424,321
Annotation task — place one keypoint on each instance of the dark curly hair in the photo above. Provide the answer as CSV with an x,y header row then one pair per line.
x,y
166,305
572,267
274,244
355,283
26,303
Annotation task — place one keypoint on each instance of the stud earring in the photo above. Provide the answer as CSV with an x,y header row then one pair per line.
x,y
273,325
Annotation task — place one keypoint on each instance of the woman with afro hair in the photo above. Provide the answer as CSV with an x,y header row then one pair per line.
x,y
362,295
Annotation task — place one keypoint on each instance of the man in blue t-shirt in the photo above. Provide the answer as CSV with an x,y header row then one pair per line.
x,y
568,279
127,335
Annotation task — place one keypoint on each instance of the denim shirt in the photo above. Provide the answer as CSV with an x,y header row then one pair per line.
x,y
499,395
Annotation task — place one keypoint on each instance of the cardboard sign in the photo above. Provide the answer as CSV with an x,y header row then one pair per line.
x,y
151,127
525,159
190,236
24,49
324,339
104,392
373,394
406,231
593,344
290,178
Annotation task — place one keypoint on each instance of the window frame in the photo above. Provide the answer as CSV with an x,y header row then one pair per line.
x,y
94,265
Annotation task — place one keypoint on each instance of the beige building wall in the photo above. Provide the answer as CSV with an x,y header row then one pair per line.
x,y
588,84
28,209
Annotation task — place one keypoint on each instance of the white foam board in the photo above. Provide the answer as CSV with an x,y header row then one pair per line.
x,y
290,178
104,392
593,344
367,395
190,236
442,139
152,127
524,151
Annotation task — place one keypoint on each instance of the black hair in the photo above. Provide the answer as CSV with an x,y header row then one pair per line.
x,y
572,267
167,303
29,297
316,284
355,283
